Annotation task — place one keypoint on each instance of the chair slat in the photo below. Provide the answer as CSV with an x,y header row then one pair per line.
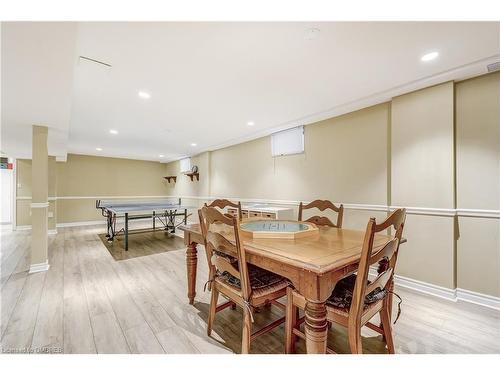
x,y
224,265
386,252
218,242
223,203
380,281
215,244
320,220
322,205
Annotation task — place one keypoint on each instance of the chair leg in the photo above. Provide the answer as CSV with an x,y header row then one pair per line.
x,y
212,309
386,325
290,322
247,332
354,333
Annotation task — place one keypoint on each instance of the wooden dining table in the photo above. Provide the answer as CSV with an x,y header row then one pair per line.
x,y
312,264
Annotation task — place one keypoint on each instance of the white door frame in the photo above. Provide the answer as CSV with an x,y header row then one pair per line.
x,y
14,195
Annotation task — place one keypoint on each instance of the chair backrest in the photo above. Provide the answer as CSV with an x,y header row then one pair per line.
x,y
388,252
223,203
322,220
213,223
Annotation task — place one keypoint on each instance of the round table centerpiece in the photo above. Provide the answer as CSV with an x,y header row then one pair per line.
x,y
282,229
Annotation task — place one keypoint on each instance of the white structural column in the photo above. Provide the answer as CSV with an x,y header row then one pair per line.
x,y
40,201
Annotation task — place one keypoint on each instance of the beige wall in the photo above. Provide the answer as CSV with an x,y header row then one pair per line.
x,y
403,153
82,179
478,183
184,186
398,154
422,175
83,175
345,160
422,148
23,176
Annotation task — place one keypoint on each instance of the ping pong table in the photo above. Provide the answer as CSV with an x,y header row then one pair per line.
x,y
163,210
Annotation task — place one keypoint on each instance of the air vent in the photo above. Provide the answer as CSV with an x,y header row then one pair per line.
x,y
494,67
88,59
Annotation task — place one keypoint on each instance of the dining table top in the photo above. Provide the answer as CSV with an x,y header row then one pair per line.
x,y
332,248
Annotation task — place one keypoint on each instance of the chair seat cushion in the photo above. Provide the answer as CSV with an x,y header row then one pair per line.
x,y
259,278
341,296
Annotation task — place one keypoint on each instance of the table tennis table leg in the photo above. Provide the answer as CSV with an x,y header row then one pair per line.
x,y
107,226
154,220
126,231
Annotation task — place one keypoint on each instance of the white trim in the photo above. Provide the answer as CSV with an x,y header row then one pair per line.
x,y
39,205
349,206
95,222
52,231
39,267
426,288
23,227
466,212
113,197
463,72
449,294
431,211
428,211
80,223
421,286
478,298
14,197
28,198
365,207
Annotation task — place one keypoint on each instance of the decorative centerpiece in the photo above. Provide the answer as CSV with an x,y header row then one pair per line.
x,y
282,229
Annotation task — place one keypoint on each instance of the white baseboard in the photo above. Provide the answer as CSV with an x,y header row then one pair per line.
x,y
96,222
449,294
478,298
80,223
426,288
52,231
39,267
23,227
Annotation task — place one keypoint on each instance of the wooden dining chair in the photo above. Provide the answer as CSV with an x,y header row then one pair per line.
x,y
322,205
355,299
244,284
223,203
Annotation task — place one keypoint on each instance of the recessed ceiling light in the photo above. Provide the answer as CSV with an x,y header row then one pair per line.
x,y
250,123
429,56
98,149
113,131
194,144
144,95
161,156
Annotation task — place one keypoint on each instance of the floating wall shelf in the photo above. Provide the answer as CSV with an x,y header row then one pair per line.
x,y
168,178
191,175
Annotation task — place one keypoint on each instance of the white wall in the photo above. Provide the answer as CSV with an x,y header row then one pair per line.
x,y
6,192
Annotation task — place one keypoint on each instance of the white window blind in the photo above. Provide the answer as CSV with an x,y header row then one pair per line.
x,y
288,142
185,165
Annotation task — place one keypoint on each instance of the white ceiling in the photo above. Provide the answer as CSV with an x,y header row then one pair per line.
x,y
207,80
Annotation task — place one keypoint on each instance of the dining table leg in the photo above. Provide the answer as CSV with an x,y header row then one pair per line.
x,y
191,265
316,327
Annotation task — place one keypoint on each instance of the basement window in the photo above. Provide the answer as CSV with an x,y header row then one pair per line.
x,y
185,165
288,142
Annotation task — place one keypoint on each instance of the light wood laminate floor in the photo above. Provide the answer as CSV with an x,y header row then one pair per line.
x,y
90,303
